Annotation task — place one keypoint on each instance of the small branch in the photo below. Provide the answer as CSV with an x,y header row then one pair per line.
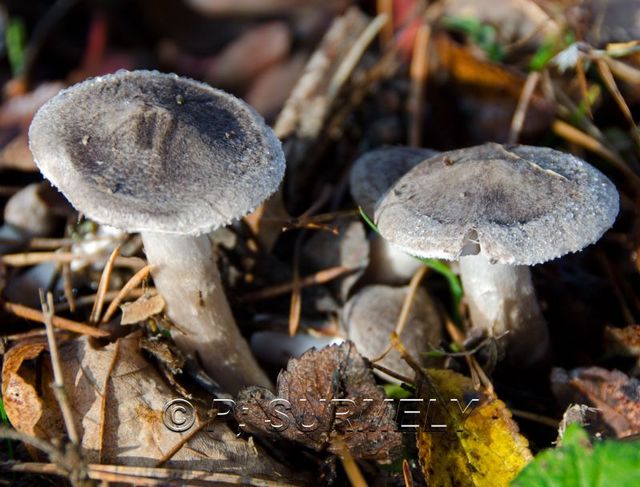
x,y
58,378
523,106
62,323
133,283
419,75
103,286
320,277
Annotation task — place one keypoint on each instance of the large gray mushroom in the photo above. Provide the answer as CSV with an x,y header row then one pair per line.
x,y
371,176
498,210
173,159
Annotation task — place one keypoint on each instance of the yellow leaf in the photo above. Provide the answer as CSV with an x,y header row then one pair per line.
x,y
480,445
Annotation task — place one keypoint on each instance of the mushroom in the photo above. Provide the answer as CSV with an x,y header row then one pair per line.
x,y
371,176
371,315
499,209
173,159
27,214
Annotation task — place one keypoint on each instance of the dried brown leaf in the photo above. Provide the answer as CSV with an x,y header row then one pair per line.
x,y
27,410
613,393
141,309
325,398
118,400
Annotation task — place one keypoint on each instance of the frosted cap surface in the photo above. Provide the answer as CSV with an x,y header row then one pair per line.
x,y
147,151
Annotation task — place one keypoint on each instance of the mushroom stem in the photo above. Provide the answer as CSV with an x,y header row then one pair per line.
x,y
501,298
187,277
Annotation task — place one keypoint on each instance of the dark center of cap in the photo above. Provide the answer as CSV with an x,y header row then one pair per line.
x,y
149,151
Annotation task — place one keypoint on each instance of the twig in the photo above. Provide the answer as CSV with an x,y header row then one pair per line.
x,y
49,449
295,307
320,277
349,464
103,399
103,286
523,105
89,299
478,375
406,473
354,55
610,83
67,279
385,7
33,258
183,441
538,418
578,137
58,378
41,243
62,323
148,475
584,90
126,290
392,373
419,74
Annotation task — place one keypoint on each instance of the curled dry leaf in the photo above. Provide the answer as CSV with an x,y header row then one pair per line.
x,y
141,309
118,401
467,437
324,396
615,395
26,409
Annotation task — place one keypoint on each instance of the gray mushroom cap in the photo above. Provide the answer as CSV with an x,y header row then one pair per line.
x,y
147,151
371,315
375,172
515,205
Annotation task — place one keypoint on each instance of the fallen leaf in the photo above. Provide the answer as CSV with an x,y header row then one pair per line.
x,y
27,411
575,414
141,309
324,396
577,462
623,342
480,445
613,393
118,401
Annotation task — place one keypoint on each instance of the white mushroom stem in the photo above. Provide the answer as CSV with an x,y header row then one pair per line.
x,y
501,298
388,264
187,277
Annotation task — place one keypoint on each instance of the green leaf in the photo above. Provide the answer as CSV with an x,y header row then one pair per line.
x,y
440,267
485,36
396,391
577,463
15,39
548,49
5,421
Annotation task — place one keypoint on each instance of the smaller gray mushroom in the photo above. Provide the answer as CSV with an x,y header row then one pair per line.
x,y
499,210
27,214
370,178
371,315
375,171
173,159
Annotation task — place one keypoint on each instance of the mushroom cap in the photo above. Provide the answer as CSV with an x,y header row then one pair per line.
x,y
374,172
371,315
517,205
147,151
